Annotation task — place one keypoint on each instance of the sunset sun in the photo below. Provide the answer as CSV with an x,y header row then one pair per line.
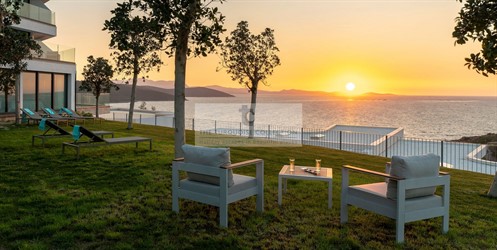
x,y
350,86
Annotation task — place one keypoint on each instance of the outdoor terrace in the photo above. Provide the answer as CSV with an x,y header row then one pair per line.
x,y
120,197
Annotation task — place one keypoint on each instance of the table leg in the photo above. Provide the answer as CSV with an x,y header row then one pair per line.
x,y
330,193
279,189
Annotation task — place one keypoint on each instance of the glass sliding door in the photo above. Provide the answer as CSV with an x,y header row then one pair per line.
x,y
59,91
40,90
29,90
44,90
10,105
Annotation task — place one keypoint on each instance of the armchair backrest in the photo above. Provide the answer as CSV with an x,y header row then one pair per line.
x,y
412,167
209,158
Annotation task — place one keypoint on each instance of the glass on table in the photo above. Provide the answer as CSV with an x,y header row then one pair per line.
x,y
292,164
318,165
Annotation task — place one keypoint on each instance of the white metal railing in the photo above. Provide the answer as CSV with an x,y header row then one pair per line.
x,y
457,155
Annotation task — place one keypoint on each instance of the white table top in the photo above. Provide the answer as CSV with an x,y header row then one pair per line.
x,y
299,173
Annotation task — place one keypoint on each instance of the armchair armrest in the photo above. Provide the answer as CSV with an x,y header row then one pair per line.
x,y
244,163
367,171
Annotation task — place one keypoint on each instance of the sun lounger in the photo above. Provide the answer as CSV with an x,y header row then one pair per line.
x,y
75,115
95,140
52,114
52,130
28,114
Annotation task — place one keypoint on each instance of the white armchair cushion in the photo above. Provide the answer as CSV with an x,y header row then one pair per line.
x,y
242,183
207,157
413,167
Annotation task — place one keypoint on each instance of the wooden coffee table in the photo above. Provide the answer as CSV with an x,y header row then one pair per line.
x,y
326,174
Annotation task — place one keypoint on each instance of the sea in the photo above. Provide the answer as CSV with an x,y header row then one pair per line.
x,y
424,117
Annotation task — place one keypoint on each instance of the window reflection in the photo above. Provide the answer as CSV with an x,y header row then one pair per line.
x,y
59,92
44,90
39,90
29,90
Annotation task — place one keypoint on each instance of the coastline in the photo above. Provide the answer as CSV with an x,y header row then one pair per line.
x,y
480,139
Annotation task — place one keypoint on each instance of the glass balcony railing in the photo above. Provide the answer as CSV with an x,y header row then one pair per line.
x,y
36,13
57,52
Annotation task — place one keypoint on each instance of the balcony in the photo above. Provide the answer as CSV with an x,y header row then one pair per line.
x,y
57,52
36,13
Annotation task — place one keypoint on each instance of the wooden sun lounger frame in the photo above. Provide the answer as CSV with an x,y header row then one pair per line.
x,y
33,117
73,114
96,141
61,133
56,116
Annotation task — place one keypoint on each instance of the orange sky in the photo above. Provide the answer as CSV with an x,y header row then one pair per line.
x,y
389,46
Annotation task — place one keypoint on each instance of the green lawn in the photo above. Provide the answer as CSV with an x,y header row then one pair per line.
x,y
119,197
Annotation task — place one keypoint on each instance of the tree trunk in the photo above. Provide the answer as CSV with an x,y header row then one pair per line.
x,y
179,98
180,57
96,105
133,97
253,102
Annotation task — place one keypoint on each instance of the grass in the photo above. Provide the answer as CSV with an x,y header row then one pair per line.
x,y
119,197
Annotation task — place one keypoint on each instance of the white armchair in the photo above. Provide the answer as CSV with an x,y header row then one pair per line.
x,y
408,194
211,181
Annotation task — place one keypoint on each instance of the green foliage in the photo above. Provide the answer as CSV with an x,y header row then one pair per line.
x,y
135,39
85,114
477,21
120,197
249,58
15,46
98,75
194,22
8,13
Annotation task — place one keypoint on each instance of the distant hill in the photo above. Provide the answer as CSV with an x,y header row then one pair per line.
x,y
306,92
143,93
160,84
298,92
151,93
164,91
236,91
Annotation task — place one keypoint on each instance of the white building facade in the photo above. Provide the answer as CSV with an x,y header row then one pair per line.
x,y
49,81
